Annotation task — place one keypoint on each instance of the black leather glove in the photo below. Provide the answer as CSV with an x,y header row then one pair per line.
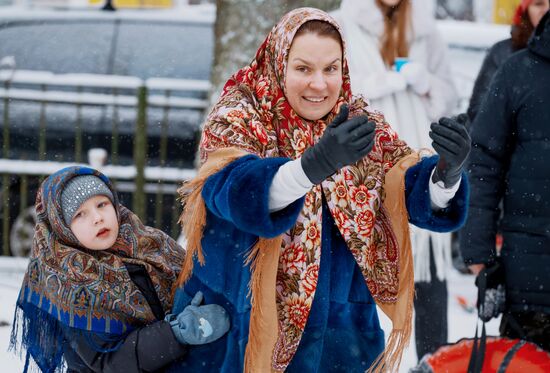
x,y
343,143
452,142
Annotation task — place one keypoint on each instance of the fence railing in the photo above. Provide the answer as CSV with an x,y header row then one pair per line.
x,y
117,95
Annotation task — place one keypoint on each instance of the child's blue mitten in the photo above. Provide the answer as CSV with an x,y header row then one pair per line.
x,y
197,325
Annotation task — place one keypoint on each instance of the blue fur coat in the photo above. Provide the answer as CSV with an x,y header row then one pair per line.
x,y
343,331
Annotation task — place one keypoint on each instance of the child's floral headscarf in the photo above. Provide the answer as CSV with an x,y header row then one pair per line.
x,y
69,287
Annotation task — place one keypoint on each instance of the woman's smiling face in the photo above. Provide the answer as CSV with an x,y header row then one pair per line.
x,y
313,78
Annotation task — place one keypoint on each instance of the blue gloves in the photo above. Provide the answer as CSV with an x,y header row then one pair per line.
x,y
197,325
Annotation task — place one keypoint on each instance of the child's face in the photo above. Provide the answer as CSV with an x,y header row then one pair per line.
x,y
95,223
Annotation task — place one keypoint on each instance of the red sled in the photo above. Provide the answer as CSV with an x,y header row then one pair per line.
x,y
501,355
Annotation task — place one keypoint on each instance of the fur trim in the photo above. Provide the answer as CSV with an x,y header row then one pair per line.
x,y
419,203
193,216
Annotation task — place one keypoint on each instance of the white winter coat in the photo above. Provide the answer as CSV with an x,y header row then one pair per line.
x,y
407,112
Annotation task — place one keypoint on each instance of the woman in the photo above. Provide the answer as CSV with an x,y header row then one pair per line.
x,y
412,96
300,200
526,18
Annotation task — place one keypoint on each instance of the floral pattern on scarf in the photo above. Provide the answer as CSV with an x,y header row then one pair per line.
x,y
92,290
254,115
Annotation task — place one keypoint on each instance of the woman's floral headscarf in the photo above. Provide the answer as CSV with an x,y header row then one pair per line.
x,y
254,115
69,287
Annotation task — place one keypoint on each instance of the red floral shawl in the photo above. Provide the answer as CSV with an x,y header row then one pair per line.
x,y
254,115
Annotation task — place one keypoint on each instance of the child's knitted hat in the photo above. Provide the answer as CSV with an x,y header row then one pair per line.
x,y
78,190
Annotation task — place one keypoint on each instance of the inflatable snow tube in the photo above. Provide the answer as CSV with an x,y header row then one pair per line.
x,y
501,355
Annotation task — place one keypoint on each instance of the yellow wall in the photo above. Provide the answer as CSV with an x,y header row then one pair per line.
x,y
503,10
136,3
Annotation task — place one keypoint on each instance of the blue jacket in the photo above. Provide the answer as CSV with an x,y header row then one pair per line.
x,y
343,327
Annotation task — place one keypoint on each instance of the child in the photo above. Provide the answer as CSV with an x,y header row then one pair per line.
x,y
98,285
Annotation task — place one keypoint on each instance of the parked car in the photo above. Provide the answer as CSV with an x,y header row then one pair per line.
x,y
75,80
155,44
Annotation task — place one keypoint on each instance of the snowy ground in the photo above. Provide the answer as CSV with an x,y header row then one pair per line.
x,y
461,323
11,275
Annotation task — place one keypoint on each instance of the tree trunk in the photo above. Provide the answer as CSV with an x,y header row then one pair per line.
x,y
241,26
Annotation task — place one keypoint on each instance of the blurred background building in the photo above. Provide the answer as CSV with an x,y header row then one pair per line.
x,y
497,11
99,3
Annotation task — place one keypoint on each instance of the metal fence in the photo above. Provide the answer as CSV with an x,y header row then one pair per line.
x,y
148,185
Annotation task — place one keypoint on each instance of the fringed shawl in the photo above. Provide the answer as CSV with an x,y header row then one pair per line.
x,y
67,287
253,116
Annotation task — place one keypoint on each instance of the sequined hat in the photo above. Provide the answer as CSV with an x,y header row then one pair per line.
x,y
79,190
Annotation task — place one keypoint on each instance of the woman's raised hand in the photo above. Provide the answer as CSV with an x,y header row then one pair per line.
x,y
452,142
343,143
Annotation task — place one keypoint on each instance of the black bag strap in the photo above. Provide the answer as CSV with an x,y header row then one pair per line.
x,y
480,343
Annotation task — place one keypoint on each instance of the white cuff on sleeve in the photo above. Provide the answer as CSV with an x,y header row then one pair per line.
x,y
439,195
289,183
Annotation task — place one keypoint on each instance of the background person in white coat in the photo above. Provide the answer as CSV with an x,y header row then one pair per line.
x,y
422,91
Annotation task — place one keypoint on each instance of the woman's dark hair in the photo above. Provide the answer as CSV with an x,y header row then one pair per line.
x,y
321,28
522,32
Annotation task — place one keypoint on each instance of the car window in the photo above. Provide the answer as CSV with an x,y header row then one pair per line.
x,y
58,46
164,49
